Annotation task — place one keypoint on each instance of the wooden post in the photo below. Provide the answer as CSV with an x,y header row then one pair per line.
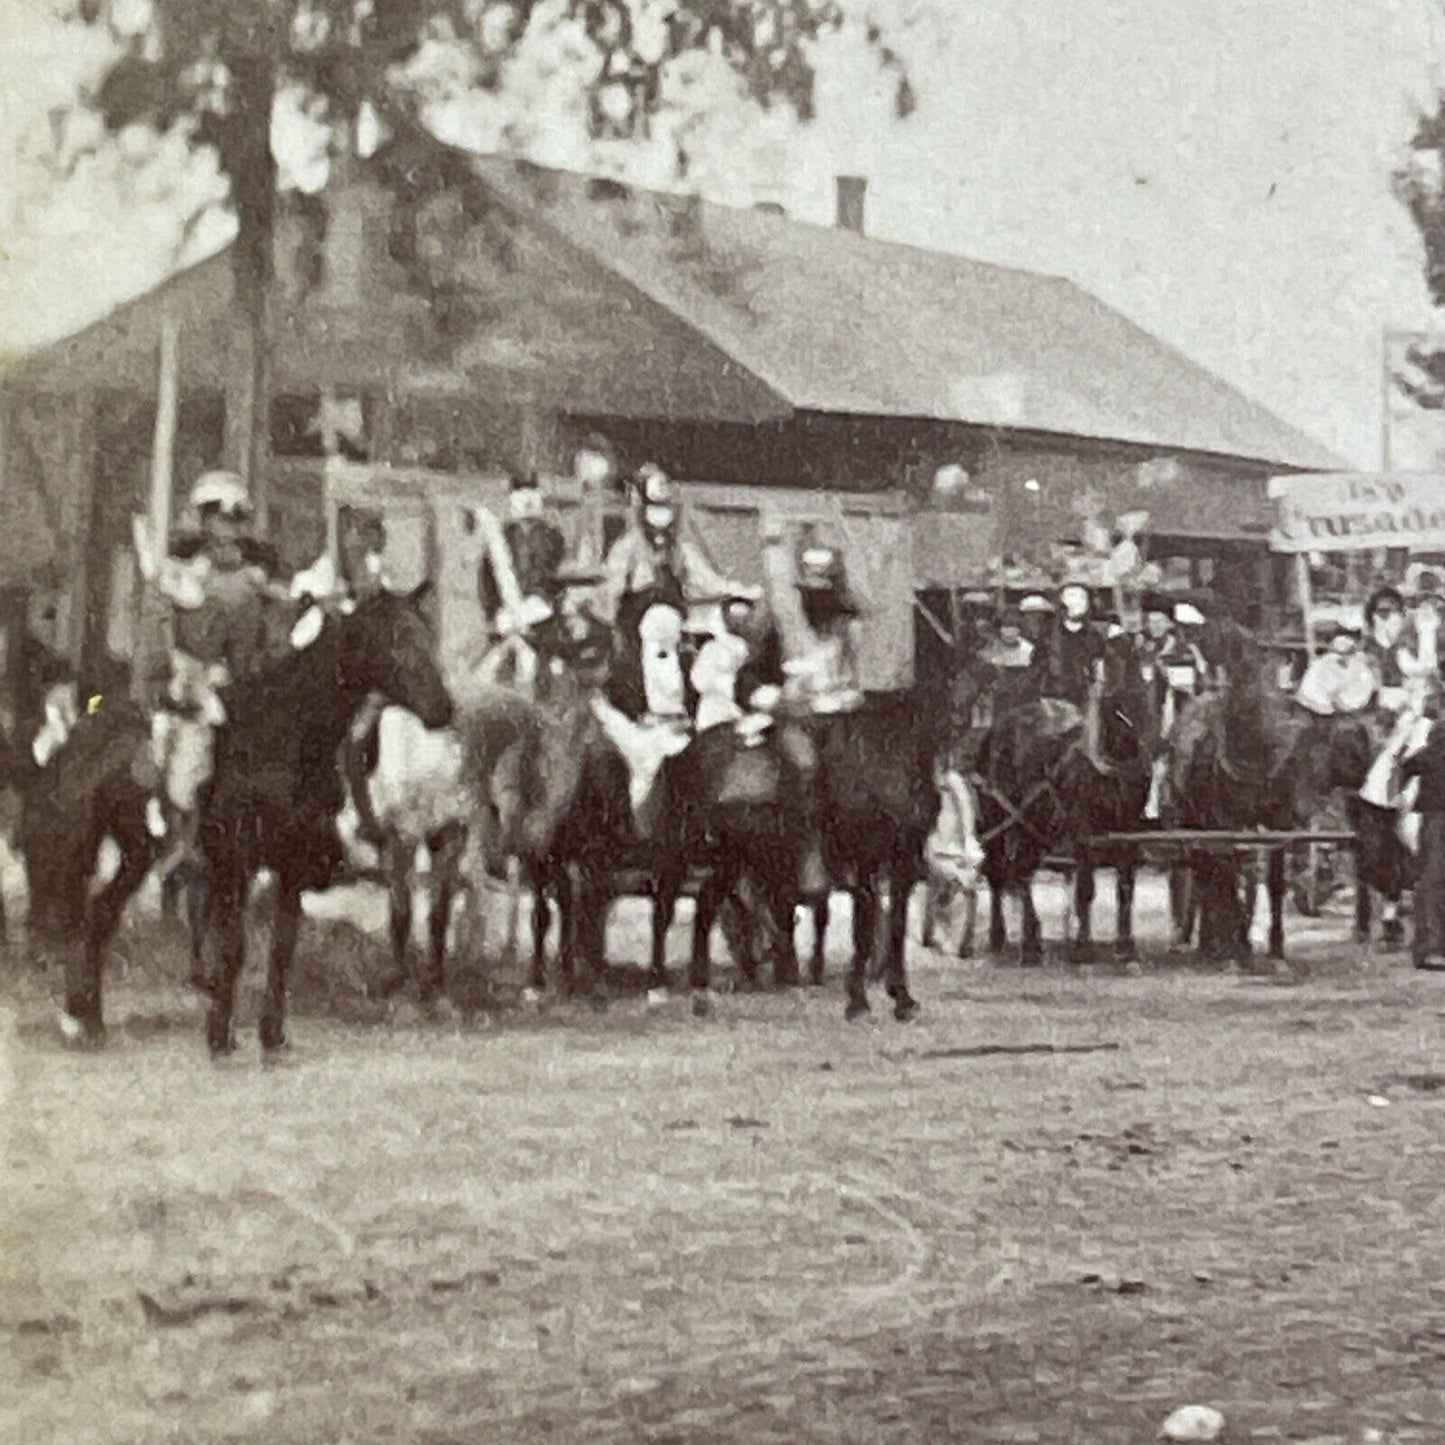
x,y
1306,601
163,445
151,612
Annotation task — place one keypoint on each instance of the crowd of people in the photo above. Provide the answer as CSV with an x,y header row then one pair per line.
x,y
689,648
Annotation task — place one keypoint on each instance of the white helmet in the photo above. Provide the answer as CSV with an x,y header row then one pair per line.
x,y
223,490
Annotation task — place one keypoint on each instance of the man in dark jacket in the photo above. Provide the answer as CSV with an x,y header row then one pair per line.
x,y
1070,652
1428,765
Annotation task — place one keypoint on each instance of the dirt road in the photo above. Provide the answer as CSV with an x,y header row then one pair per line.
x,y
1056,1207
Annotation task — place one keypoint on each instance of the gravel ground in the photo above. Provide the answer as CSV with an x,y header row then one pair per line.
x,y
1057,1206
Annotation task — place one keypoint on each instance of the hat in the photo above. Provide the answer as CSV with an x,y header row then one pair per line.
x,y
222,490
1188,615
597,445
1036,602
524,482
1383,597
1422,579
654,487
820,568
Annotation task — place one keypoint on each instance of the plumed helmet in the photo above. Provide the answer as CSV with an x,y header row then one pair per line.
x,y
820,568
222,491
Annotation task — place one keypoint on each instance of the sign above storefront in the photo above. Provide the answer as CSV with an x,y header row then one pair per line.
x,y
1358,511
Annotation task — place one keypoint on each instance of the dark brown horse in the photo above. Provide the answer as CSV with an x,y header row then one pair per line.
x,y
271,802
1050,778
1244,757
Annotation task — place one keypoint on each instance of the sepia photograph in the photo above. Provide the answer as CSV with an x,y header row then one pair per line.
x,y
722,722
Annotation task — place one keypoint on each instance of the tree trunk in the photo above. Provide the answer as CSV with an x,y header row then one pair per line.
x,y
245,146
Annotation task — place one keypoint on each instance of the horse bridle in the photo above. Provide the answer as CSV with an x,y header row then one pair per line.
x,y
1015,812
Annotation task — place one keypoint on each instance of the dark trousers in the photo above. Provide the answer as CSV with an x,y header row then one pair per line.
x,y
1430,890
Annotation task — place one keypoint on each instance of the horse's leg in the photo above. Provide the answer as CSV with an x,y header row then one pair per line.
x,y
1031,950
1084,890
997,929
228,904
1179,905
1392,928
446,877
821,910
1277,882
905,1006
170,891
593,899
569,934
1124,879
514,911
1212,906
85,968
936,896
397,860
865,929
780,906
1364,907
285,925
541,925
197,902
665,890
717,886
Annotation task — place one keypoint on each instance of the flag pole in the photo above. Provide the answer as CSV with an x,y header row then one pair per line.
x,y
1386,460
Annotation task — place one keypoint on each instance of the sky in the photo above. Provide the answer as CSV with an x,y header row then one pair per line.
x,y
1217,169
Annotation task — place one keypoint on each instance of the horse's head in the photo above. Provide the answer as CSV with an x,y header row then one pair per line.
x,y
575,656
390,648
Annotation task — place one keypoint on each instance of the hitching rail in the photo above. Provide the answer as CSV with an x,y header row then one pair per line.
x,y
1203,840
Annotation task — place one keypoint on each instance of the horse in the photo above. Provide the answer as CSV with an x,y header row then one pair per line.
x,y
271,801
1052,777
732,807
1244,756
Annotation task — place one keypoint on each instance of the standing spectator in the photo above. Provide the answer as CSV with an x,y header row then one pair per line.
x,y
1428,765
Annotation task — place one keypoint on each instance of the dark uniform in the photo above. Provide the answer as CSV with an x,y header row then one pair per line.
x,y
1066,660
538,550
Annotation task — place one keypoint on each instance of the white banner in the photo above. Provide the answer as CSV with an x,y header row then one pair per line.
x,y
1357,511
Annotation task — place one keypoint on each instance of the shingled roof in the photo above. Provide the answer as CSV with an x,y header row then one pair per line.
x,y
727,313
838,322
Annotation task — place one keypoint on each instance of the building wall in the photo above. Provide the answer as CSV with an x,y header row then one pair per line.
x,y
1183,496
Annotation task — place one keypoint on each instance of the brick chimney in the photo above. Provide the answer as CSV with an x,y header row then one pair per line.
x,y
851,191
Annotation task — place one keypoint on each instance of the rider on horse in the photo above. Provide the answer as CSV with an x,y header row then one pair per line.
x,y
820,624
1173,663
535,551
652,576
220,583
1008,660
1404,665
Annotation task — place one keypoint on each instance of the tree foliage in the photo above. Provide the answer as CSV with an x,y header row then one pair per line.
x,y
1420,186
217,67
